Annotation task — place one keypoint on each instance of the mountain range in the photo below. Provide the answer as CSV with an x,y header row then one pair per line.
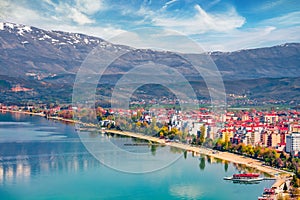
x,y
46,62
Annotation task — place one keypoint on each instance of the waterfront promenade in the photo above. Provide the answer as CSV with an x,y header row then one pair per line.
x,y
234,158
278,174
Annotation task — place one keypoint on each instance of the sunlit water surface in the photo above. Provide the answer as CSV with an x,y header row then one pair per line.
x,y
44,159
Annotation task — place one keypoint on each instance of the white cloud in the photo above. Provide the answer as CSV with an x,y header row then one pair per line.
x,y
214,31
158,39
76,13
202,22
289,19
89,6
269,5
79,13
12,12
212,4
62,20
250,38
168,3
79,17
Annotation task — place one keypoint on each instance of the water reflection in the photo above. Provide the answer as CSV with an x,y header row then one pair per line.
x,y
19,161
186,191
202,163
35,167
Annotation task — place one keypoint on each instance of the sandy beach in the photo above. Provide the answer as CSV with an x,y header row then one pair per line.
x,y
234,158
279,175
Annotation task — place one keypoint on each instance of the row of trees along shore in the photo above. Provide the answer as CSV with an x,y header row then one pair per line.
x,y
270,156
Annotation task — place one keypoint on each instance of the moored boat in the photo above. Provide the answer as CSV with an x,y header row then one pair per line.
x,y
269,194
245,177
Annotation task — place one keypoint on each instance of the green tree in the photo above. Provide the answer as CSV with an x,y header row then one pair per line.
x,y
202,135
257,152
294,181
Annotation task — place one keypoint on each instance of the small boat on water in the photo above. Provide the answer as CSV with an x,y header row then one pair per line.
x,y
269,194
245,177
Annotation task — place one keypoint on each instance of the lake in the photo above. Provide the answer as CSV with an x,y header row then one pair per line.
x,y
45,159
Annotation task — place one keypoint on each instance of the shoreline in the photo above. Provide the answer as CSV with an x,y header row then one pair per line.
x,y
42,115
226,156
279,175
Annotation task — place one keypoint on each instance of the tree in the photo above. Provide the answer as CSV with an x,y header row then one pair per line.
x,y
257,152
279,162
294,181
163,131
154,128
241,148
208,143
202,134
218,144
285,187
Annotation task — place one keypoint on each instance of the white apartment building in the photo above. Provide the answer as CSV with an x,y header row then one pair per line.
x,y
293,143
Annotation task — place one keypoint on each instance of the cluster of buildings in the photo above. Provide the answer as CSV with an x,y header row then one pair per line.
x,y
276,129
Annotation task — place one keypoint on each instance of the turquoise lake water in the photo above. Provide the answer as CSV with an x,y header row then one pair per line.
x,y
44,159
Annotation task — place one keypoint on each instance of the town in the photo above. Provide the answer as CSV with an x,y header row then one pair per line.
x,y
272,136
276,129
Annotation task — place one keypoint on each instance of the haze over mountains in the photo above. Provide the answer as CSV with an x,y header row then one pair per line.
x,y
47,62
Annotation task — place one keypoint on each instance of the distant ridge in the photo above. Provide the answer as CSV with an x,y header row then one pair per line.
x,y
36,58
26,49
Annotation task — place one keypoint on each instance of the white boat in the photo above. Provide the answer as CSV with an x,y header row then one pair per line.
x,y
246,177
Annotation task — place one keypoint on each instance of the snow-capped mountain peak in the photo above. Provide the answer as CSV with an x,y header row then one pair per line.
x,y
11,27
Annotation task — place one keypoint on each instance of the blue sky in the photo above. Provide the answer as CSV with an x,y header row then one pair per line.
x,y
224,25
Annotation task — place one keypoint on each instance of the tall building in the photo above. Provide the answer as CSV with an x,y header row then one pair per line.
x,y
293,143
264,138
273,139
255,137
